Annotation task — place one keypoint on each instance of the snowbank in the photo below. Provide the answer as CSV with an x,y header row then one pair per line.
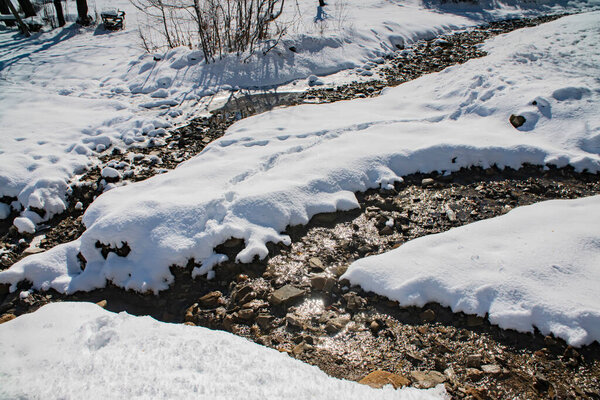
x,y
70,94
78,350
282,167
537,266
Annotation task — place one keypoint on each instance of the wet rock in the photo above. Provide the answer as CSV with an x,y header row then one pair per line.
x,y
474,361
246,314
336,324
323,282
354,301
294,321
265,321
378,379
212,299
428,316
386,231
7,317
316,264
426,380
492,369
517,120
285,294
474,320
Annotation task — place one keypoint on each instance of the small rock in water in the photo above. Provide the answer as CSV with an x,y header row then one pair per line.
x,y
285,294
427,380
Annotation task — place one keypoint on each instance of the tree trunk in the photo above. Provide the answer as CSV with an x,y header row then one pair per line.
x,y
59,13
82,12
27,8
20,22
5,11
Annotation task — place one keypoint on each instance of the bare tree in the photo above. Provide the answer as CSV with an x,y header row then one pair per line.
x,y
27,8
60,16
216,27
20,22
82,13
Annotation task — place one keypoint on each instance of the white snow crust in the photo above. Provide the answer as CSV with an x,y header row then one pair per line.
x,y
282,167
537,266
78,350
69,94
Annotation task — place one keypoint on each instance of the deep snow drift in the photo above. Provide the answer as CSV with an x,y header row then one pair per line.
x,y
282,167
78,350
68,95
538,265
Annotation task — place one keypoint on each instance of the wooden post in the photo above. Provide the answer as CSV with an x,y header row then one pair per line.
x,y
20,22
5,11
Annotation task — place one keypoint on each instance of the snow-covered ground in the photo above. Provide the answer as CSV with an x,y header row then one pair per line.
x,y
69,94
535,266
282,167
78,350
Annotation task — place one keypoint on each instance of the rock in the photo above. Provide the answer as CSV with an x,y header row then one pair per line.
x,y
285,294
102,303
378,379
474,320
212,299
323,282
301,348
32,250
4,289
265,321
492,369
428,316
386,231
474,361
7,317
354,301
426,380
233,242
474,375
336,324
374,327
517,120
316,264
294,321
228,321
246,314
427,182
189,323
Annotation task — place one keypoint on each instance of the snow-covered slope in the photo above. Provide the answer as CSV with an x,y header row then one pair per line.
x,y
282,167
78,350
538,265
69,94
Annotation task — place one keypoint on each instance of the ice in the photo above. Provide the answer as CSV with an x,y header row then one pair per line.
x,y
78,350
536,266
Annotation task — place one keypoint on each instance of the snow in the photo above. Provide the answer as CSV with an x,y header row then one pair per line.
x,y
282,167
24,224
537,266
69,94
47,353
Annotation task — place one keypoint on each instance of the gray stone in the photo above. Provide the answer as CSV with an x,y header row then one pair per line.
x,y
492,369
285,294
316,264
354,301
427,380
336,324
